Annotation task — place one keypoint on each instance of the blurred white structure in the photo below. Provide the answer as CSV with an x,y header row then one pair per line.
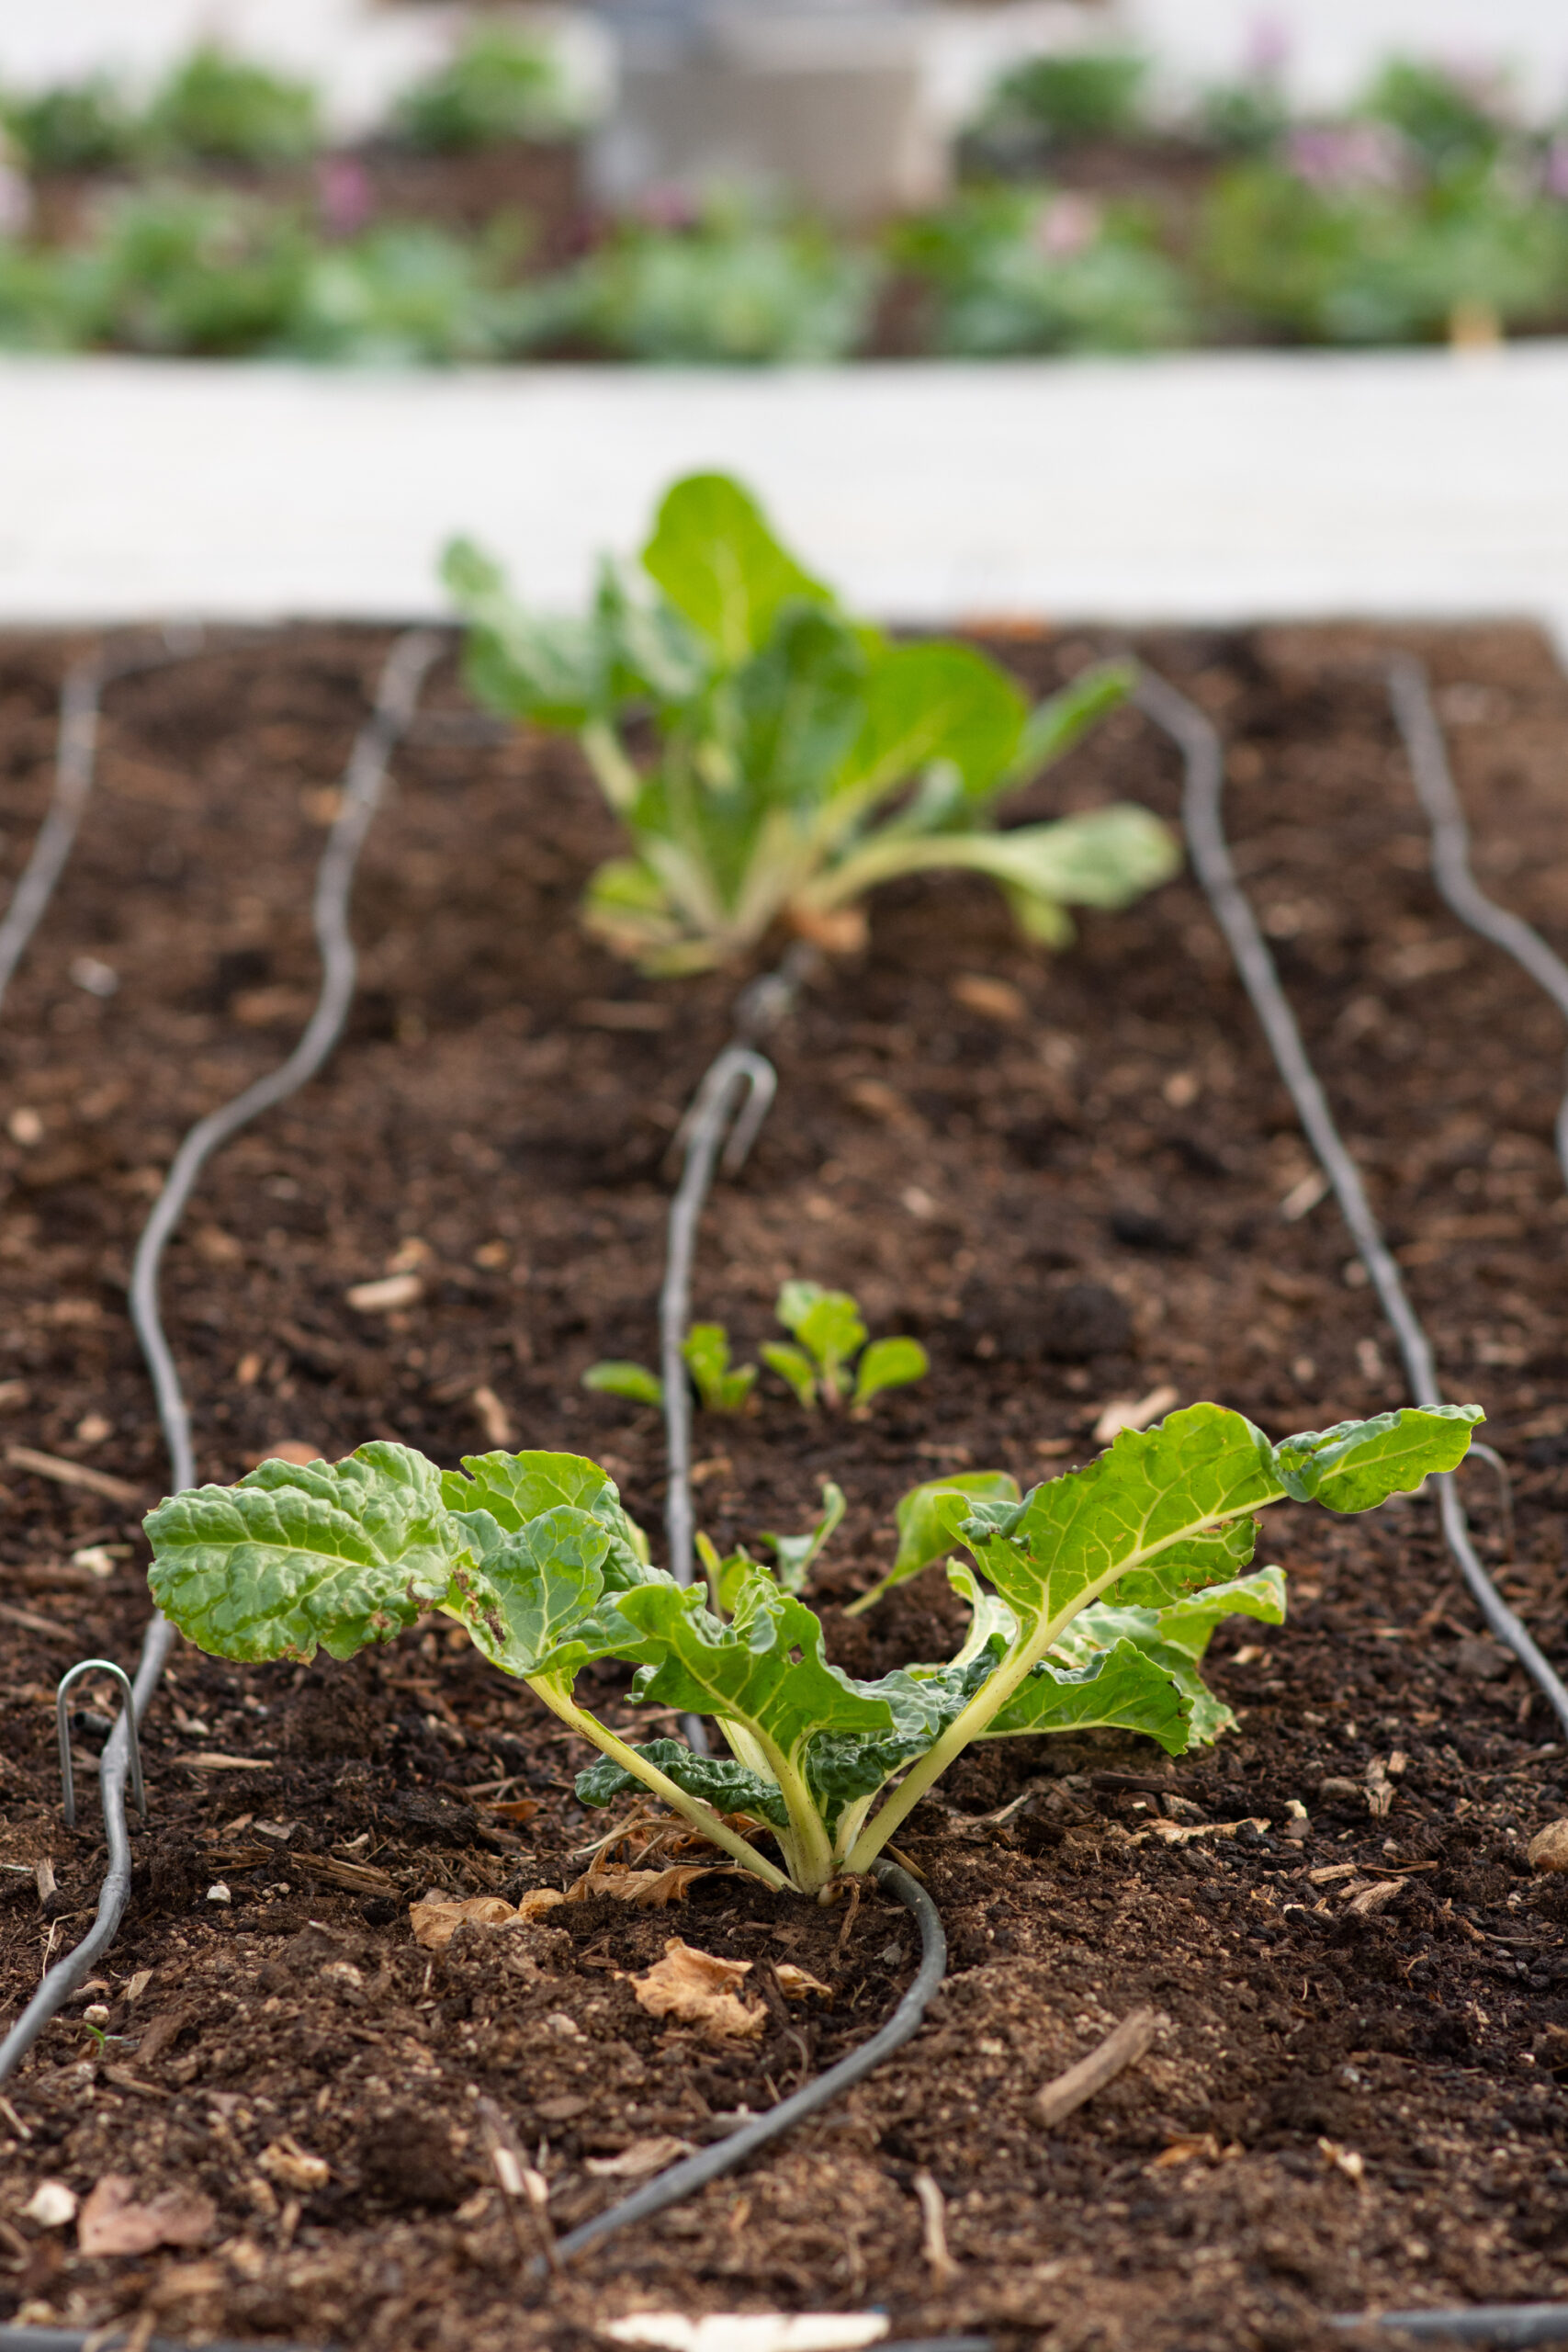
x,y
1226,487
1330,47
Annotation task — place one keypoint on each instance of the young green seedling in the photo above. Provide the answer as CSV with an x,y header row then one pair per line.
x,y
831,1334
706,1350
1092,1600
797,757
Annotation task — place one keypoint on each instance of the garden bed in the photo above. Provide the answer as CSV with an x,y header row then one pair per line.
x,y
1067,1178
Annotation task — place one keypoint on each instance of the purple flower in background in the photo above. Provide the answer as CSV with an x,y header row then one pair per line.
x,y
1555,176
667,206
344,195
1066,225
1343,156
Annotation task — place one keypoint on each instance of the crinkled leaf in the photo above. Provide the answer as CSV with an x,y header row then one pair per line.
x,y
715,557
843,1766
1123,1688
538,1585
795,1553
727,1785
336,1554
1357,1465
992,1625
516,1487
632,1381
793,1366
889,1364
766,1671
1176,1637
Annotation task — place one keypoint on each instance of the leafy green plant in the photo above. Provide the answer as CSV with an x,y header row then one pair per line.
x,y
798,758
1092,1601
407,293
831,1336
831,1333
1019,270
497,88
75,127
224,108
733,285
179,269
1341,255
1080,94
1454,121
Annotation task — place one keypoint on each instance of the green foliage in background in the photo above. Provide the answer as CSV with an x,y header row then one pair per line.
x,y
226,109
498,87
1014,270
84,126
796,758
736,286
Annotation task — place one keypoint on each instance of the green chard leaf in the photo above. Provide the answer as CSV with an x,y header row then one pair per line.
x,y
1176,1637
930,702
793,1366
727,1786
930,1520
706,1351
794,1555
1053,725
715,559
632,1381
888,1363
337,1555
1123,1688
827,1325
1357,1464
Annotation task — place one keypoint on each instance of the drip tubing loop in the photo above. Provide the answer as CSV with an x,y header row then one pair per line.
x,y
685,2178
1202,818
1503,2325
409,658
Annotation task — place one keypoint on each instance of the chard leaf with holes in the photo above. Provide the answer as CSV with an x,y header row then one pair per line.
x,y
337,1555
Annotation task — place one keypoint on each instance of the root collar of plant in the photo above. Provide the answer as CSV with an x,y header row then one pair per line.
x,y
1067,1177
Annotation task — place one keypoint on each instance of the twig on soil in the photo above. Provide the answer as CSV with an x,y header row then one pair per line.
x,y
933,2227
1119,2050
31,1624
849,1919
73,1474
520,2184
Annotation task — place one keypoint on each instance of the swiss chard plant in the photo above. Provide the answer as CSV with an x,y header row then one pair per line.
x,y
770,758
1091,1599
831,1335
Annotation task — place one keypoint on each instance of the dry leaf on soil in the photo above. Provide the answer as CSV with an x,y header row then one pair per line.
x,y
644,2156
751,2331
111,2221
436,1919
650,1890
700,1990
798,1983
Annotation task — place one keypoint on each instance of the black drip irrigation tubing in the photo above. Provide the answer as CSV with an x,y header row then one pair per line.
x,y
406,664
1204,822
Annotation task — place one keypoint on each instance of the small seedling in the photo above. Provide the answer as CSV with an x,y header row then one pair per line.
x,y
798,758
831,1334
828,1326
1092,1601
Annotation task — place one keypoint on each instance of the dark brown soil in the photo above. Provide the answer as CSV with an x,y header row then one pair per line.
x,y
1073,1194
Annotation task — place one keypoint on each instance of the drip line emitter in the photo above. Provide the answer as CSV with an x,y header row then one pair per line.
x,y
735,1096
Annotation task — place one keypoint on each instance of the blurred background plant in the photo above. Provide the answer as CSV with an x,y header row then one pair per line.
x,y
219,108
730,281
1089,217
1013,270
498,87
